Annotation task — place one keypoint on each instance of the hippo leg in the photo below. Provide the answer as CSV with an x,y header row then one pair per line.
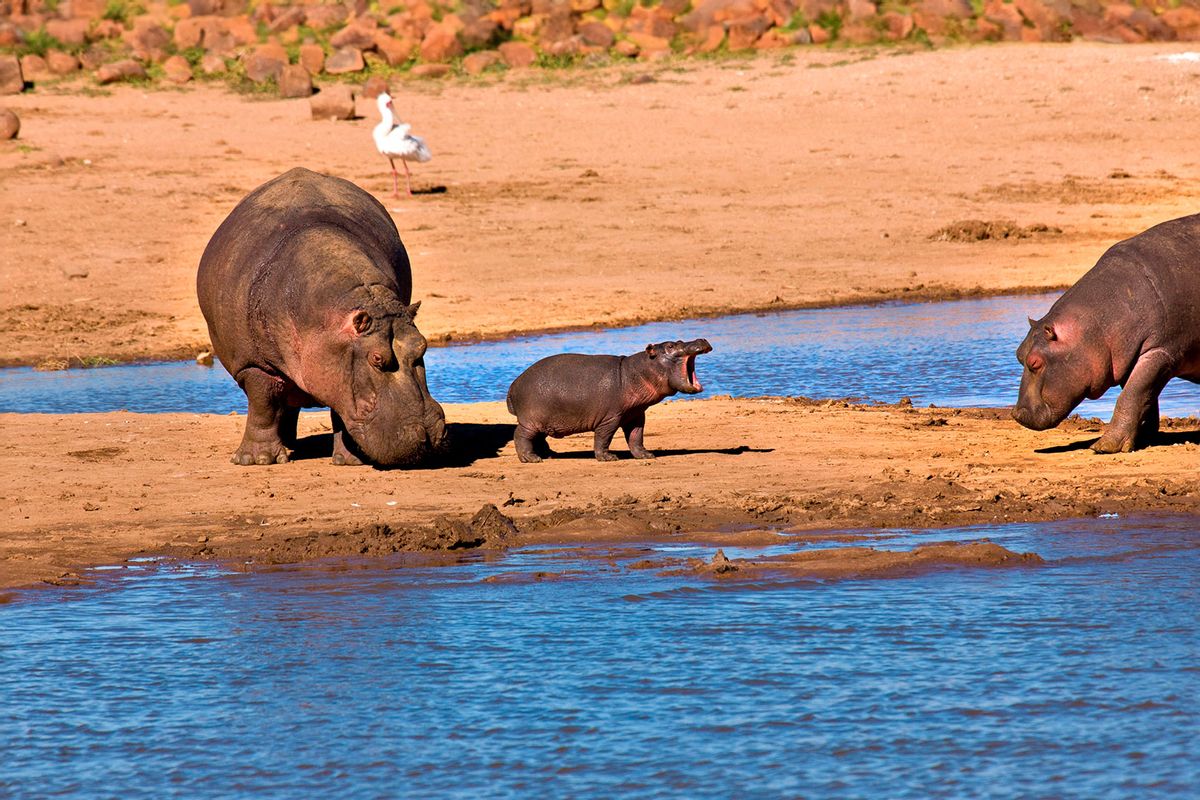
x,y
288,418
342,455
261,443
634,426
1137,406
527,443
604,436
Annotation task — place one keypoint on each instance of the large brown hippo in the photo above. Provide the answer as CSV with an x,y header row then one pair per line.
x,y
1132,320
572,393
306,287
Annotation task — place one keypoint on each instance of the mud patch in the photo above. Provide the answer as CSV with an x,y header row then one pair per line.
x,y
97,454
72,330
978,230
1119,187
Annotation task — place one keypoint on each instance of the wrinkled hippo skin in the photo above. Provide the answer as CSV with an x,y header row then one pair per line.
x,y
1132,320
572,393
306,287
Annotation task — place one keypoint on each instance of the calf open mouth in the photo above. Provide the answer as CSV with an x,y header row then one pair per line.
x,y
689,372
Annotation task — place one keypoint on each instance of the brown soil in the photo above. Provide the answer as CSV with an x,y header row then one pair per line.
x,y
581,198
90,489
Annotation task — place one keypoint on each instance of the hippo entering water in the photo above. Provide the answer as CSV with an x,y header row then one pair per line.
x,y
306,289
1132,320
572,393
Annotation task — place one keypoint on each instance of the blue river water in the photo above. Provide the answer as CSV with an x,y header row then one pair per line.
x,y
1079,678
957,353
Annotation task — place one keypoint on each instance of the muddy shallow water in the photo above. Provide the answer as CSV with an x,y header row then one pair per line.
x,y
1076,678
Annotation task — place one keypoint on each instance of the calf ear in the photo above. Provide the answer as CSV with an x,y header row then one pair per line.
x,y
652,351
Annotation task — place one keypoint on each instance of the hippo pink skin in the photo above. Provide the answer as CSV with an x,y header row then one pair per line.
x,y
572,393
1132,320
306,289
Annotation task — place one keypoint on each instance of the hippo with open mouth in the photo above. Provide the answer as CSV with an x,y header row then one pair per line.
x,y
1133,320
306,289
572,393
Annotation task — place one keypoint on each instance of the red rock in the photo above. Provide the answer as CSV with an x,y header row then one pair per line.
x,y
430,71
360,34
148,40
645,42
743,33
68,31
625,48
708,12
11,79
1050,21
345,61
8,35
177,69
241,29
265,63
1149,27
1184,21
713,37
213,64
556,28
596,34
188,32
858,33
529,27
10,124
289,18
819,35
477,63
860,9
897,25
61,63
440,44
517,55
294,81
312,58
394,51
651,21
34,67
477,33
931,16
773,39
332,102
201,8
88,9
1004,15
104,29
374,86
674,8
322,17
567,47
583,6
124,70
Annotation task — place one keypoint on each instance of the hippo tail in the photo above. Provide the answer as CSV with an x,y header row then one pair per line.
x,y
509,403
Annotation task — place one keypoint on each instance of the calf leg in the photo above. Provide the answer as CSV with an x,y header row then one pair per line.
x,y
343,456
261,442
634,427
526,441
1136,413
604,436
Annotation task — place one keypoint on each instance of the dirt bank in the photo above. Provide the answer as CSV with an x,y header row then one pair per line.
x,y
581,198
90,489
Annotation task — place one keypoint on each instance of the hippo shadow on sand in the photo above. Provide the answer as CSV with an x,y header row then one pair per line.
x,y
624,455
1160,439
467,442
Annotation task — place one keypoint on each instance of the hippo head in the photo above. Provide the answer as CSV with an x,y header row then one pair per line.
x,y
677,361
1064,363
379,390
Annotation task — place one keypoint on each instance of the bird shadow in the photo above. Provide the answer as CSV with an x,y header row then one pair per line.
x,y
439,189
1161,439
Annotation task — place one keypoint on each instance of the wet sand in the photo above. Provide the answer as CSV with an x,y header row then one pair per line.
x,y
578,198
90,489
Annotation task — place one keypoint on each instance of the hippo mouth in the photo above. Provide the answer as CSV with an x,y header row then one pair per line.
x,y
689,375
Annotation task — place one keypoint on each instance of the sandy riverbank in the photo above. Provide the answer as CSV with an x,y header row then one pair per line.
x,y
91,489
579,198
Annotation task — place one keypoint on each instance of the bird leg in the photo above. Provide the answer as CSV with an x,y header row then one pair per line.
x,y
407,177
396,178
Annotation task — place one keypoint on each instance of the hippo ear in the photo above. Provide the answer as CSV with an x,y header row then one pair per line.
x,y
1050,334
1032,322
652,351
358,323
412,310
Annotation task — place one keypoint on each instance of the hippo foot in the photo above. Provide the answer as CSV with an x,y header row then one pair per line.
x,y
1106,445
529,458
606,456
644,454
344,458
249,458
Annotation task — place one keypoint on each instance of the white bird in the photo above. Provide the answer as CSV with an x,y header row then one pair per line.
x,y
394,141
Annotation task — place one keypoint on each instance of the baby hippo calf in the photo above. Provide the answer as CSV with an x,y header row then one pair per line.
x,y
572,393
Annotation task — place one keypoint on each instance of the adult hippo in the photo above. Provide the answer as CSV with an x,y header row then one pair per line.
x,y
306,287
1133,320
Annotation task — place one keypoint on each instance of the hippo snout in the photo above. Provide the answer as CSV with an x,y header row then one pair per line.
x,y
1034,420
697,347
